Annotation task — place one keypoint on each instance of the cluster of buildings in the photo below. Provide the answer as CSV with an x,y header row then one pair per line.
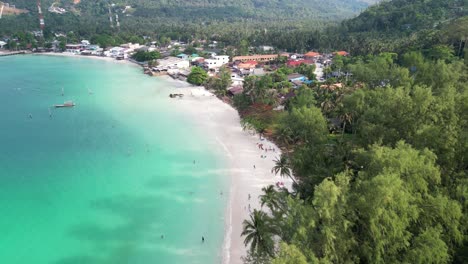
x,y
86,48
179,66
242,66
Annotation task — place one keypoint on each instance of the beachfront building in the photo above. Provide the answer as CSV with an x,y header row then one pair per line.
x,y
115,52
171,63
216,61
2,44
257,58
73,48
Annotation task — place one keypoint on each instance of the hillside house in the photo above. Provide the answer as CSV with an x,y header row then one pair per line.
x,y
341,53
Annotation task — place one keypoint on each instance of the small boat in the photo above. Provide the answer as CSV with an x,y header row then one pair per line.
x,y
176,95
66,104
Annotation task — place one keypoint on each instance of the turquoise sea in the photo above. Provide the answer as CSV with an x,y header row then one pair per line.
x,y
123,177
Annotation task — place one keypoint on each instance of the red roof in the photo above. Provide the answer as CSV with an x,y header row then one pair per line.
x,y
251,62
312,54
342,53
295,63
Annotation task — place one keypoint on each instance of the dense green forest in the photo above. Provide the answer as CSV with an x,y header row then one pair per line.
x,y
380,163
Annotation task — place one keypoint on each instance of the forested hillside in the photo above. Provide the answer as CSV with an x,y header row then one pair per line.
x,y
389,26
197,16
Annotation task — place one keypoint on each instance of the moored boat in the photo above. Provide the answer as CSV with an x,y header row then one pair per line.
x,y
65,104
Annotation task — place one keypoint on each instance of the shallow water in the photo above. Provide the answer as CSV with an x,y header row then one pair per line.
x,y
103,181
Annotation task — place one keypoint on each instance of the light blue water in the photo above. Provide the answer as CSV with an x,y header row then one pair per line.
x,y
101,182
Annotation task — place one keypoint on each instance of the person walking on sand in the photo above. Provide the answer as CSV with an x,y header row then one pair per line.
x,y
254,166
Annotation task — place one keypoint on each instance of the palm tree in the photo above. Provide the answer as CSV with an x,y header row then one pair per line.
x,y
258,233
269,198
282,167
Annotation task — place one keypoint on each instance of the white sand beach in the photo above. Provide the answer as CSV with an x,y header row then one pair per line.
x,y
241,149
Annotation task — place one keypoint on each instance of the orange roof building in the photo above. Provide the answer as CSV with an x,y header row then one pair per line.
x,y
342,53
247,65
311,54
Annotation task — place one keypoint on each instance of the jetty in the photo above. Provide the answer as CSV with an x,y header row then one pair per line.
x,y
3,54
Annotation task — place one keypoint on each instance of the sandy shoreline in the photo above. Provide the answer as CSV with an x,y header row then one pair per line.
x,y
109,59
222,124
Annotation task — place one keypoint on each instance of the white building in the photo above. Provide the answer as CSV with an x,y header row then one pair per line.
x,y
2,43
171,63
115,52
217,61
267,48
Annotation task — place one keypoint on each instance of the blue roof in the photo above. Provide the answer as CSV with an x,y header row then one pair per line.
x,y
195,55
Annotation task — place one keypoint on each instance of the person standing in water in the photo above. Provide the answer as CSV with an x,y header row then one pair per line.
x,y
203,239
